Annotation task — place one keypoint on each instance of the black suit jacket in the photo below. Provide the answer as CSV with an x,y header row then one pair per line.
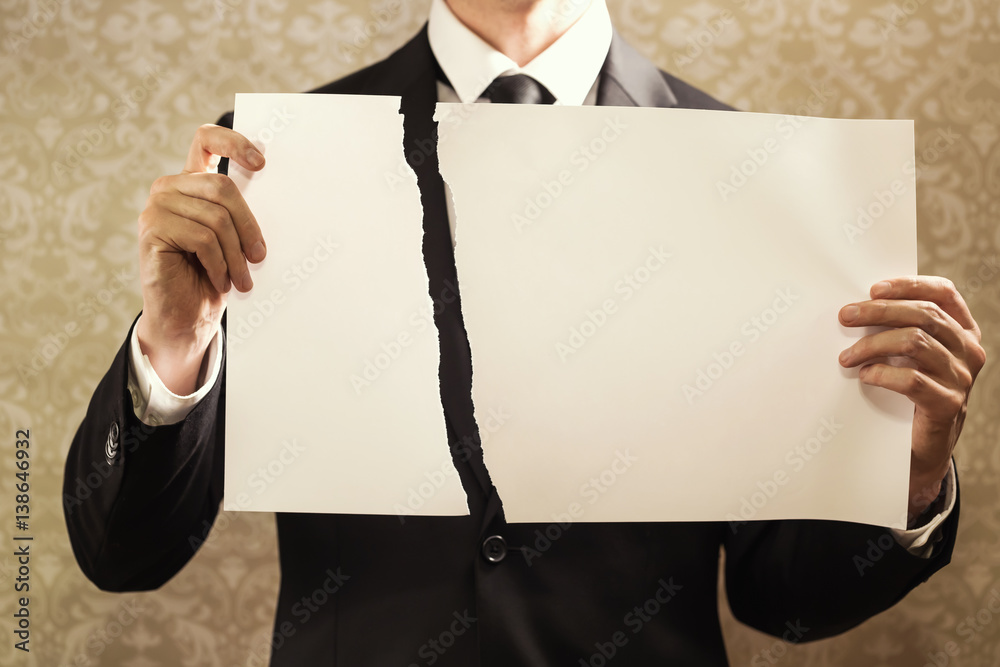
x,y
378,590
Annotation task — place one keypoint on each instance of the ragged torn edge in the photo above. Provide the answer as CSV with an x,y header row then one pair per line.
x,y
473,451
420,143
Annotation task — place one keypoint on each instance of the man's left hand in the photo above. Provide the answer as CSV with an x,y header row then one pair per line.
x,y
937,340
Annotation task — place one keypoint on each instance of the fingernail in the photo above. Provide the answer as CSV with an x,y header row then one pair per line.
x,y
255,158
881,289
247,282
849,313
845,355
257,252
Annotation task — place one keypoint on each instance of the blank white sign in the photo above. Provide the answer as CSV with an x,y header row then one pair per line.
x,y
652,296
333,401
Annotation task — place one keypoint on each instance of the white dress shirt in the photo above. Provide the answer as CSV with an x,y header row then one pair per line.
x,y
569,69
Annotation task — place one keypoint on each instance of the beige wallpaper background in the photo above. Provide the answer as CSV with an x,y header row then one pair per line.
x,y
97,99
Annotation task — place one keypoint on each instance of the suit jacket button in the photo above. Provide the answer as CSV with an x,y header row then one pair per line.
x,y
494,548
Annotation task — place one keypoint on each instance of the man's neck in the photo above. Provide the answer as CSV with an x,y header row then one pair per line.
x,y
519,29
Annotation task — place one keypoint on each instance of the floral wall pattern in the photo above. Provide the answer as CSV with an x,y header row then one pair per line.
x,y
98,99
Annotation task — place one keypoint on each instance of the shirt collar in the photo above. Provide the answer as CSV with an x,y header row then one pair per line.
x,y
568,68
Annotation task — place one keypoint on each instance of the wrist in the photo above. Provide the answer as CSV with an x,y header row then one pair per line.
x,y
925,490
176,358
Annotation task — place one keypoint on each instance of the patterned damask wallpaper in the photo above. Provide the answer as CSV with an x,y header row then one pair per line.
x,y
97,99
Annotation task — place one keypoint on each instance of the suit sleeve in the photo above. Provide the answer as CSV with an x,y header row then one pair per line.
x,y
139,500
822,577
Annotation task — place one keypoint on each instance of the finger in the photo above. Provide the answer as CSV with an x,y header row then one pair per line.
x,y
185,235
929,354
220,189
212,140
926,315
933,398
928,288
216,218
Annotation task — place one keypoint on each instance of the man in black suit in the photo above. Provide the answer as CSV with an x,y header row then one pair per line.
x,y
466,591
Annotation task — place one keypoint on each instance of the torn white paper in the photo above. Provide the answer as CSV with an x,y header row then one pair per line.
x,y
652,296
332,395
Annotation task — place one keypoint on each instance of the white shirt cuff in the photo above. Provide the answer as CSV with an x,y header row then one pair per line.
x,y
152,402
921,541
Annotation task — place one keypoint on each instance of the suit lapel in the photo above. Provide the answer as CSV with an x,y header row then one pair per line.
x,y
629,80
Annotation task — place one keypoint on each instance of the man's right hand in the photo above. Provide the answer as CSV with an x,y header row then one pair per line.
x,y
195,237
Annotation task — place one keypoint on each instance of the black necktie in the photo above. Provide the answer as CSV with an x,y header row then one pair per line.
x,y
518,89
